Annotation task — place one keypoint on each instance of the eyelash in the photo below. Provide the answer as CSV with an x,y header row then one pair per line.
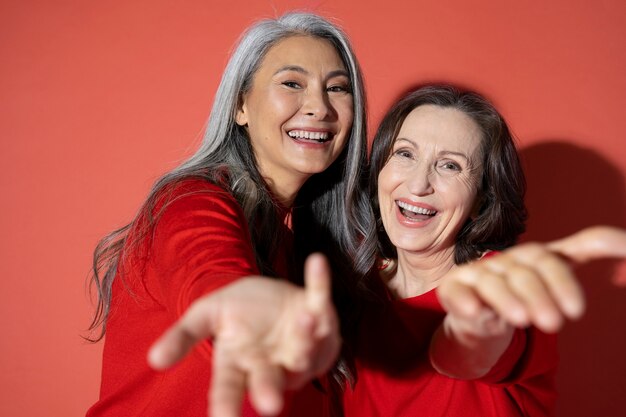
x,y
404,153
291,84
338,89
451,165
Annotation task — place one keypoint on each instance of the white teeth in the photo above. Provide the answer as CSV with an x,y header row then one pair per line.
x,y
304,134
415,209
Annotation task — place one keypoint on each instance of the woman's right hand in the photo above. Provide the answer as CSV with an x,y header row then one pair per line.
x,y
268,335
532,283
529,284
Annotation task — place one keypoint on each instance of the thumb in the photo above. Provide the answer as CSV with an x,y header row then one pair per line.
x,y
197,324
592,243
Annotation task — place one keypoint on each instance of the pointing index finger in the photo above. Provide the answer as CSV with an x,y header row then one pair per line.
x,y
317,283
592,243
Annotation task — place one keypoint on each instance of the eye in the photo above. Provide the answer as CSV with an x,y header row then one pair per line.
x,y
403,153
291,84
450,166
338,88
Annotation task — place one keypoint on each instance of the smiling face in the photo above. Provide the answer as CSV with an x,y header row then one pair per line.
x,y
428,187
298,112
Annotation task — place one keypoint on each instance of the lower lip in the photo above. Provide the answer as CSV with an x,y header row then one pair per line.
x,y
404,221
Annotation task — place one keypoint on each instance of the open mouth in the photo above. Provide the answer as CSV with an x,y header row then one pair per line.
x,y
415,213
308,136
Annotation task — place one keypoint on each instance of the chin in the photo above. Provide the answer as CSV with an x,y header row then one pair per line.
x,y
312,170
408,245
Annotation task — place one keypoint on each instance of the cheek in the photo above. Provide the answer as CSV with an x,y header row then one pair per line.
x,y
384,186
459,193
470,194
468,202
387,183
278,105
345,112
385,205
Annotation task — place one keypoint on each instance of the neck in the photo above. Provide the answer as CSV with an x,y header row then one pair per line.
x,y
419,272
285,191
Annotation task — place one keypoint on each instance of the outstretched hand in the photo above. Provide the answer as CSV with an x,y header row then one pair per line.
x,y
528,284
268,335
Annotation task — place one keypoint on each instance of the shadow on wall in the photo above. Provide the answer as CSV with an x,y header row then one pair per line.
x,y
569,188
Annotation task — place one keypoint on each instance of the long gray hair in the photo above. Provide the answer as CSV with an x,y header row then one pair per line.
x,y
331,212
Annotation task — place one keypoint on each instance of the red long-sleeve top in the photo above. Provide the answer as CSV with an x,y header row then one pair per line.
x,y
394,376
200,242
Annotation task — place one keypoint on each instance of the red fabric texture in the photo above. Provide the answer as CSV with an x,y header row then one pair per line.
x,y
394,376
199,244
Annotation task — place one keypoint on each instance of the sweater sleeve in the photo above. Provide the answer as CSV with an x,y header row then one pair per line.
x,y
531,355
200,243
503,369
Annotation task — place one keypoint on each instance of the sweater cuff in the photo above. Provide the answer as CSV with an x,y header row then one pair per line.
x,y
503,369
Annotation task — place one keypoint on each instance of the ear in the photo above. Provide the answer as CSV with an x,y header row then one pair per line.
x,y
241,116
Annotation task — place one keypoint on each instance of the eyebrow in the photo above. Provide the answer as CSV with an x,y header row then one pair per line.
x,y
301,70
444,152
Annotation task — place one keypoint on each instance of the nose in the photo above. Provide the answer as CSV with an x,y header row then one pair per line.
x,y
316,104
419,181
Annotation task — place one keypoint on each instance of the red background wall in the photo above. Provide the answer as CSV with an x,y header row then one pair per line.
x,y
99,98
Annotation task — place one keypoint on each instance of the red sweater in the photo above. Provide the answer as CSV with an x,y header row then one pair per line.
x,y
394,376
199,244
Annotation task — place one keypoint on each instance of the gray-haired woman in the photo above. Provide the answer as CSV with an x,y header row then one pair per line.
x,y
277,177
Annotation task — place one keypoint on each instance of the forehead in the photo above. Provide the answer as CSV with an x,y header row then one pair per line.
x,y
305,51
445,127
